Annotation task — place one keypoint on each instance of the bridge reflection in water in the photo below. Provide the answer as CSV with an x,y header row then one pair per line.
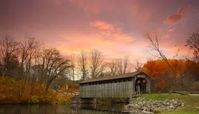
x,y
58,109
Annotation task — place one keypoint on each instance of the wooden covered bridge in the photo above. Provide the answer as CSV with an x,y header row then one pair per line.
x,y
121,86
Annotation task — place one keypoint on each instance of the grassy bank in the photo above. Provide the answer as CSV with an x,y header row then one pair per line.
x,y
191,102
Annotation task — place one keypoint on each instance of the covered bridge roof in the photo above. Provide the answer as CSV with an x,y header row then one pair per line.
x,y
106,78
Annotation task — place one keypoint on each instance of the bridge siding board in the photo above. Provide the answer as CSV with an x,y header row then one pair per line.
x,y
113,89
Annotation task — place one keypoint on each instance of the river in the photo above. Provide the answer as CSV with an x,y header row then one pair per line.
x,y
57,109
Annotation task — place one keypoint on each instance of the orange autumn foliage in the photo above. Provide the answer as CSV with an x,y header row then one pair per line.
x,y
162,73
20,91
161,84
158,67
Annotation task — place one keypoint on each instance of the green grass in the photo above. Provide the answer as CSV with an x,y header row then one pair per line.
x,y
191,102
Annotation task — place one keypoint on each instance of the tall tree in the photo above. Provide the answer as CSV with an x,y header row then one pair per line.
x,y
122,65
53,66
118,66
83,64
73,67
193,43
8,57
138,66
154,40
28,51
112,68
96,63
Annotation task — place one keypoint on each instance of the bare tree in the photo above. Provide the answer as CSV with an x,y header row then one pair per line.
x,y
122,65
28,50
118,66
83,64
96,64
125,64
9,60
153,38
53,66
138,66
73,67
112,67
193,43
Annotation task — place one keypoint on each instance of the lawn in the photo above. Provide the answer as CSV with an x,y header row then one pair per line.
x,y
191,102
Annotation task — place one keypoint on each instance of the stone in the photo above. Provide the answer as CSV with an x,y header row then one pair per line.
x,y
147,112
154,106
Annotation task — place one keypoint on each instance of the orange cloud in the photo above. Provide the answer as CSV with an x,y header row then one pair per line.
x,y
175,18
103,26
111,32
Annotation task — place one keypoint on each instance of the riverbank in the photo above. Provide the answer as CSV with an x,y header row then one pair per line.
x,y
13,91
166,104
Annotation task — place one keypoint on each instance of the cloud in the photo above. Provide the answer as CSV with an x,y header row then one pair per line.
x,y
175,18
111,32
104,27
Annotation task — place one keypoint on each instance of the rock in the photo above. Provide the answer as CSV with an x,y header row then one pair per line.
x,y
147,112
171,107
156,111
151,106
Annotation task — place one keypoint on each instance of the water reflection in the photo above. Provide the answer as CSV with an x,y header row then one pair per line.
x,y
56,109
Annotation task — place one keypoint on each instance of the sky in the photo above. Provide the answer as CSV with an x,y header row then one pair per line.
x,y
117,28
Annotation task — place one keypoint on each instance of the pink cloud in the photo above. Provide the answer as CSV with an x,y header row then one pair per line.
x,y
111,32
103,27
175,18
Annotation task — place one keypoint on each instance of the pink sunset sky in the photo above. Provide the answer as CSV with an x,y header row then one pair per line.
x,y
115,27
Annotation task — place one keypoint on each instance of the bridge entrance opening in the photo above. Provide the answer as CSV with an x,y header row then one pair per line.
x,y
140,85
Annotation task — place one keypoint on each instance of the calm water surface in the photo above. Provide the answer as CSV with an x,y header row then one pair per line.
x,y
58,109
